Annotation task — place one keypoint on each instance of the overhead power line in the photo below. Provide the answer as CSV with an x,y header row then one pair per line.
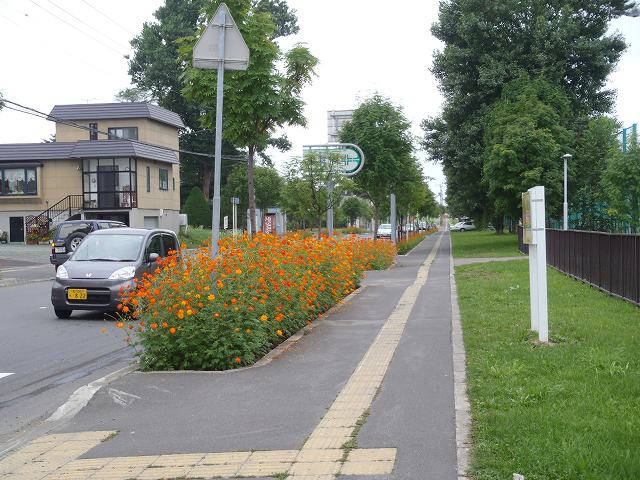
x,y
86,24
45,116
109,18
106,45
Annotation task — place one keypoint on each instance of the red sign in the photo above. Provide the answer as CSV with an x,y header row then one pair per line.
x,y
269,224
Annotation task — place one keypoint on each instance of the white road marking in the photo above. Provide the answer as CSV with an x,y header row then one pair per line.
x,y
82,395
123,399
2,375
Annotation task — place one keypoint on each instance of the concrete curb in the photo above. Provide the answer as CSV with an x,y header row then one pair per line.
x,y
461,400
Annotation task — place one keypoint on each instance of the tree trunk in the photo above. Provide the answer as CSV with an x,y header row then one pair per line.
x,y
376,220
319,225
207,173
251,190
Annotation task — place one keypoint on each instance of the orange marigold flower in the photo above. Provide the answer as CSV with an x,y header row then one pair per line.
x,y
264,317
238,271
234,300
154,325
172,330
238,360
211,297
120,324
165,324
119,306
125,309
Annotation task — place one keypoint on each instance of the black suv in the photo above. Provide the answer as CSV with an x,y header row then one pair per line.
x,y
70,234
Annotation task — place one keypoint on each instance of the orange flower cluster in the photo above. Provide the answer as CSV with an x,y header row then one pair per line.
x,y
200,313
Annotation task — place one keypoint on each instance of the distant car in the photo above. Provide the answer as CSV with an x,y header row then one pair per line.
x,y
463,226
384,231
69,235
106,261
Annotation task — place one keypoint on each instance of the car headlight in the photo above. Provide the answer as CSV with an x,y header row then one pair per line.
x,y
62,273
124,273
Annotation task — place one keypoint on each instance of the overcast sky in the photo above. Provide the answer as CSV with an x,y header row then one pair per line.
x,y
71,51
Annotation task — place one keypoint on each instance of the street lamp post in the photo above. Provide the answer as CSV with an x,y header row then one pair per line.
x,y
565,206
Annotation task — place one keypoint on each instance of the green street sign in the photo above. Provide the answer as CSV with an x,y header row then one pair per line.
x,y
351,155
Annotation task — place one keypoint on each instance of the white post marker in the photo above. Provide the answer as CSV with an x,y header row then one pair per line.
x,y
534,233
220,47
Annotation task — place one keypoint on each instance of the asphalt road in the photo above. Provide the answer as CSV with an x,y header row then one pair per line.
x,y
43,359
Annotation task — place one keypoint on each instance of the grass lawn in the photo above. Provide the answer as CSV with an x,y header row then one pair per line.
x,y
566,411
484,244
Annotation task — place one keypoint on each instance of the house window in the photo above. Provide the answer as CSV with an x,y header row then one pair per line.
x,y
18,181
126,133
93,131
164,179
109,183
148,179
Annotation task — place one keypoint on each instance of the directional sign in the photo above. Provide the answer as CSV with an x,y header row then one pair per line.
x,y
206,53
351,155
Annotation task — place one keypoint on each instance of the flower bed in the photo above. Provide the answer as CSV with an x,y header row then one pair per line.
x,y
197,313
408,244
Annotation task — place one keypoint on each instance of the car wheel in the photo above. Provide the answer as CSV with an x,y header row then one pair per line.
x,y
461,230
74,240
62,313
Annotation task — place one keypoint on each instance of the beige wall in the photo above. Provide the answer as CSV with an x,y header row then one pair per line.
x,y
156,198
56,179
149,131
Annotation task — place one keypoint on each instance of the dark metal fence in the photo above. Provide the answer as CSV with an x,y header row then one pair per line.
x,y
607,261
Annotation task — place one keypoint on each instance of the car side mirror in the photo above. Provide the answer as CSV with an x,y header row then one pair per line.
x,y
153,257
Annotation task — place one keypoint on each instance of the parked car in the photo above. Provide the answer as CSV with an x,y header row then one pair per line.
x,y
384,231
69,235
106,261
463,226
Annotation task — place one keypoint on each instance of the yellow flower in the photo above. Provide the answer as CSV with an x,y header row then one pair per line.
x,y
211,297
279,332
264,317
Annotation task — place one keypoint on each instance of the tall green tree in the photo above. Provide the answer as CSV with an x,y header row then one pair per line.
x,y
261,99
381,130
488,44
526,135
353,208
621,184
157,75
594,150
307,179
268,190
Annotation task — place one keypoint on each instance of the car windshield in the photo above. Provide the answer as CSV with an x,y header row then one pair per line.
x,y
386,226
109,248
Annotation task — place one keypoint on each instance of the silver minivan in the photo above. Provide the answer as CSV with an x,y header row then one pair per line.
x,y
104,263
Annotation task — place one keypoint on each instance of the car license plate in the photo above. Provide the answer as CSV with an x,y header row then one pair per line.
x,y
60,250
77,294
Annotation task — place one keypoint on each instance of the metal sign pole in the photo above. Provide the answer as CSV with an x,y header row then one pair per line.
x,y
330,211
215,220
394,226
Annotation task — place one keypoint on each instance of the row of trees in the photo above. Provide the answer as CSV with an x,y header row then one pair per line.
x,y
381,130
524,83
258,102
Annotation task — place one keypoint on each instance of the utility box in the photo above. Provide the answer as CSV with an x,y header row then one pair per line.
x,y
272,221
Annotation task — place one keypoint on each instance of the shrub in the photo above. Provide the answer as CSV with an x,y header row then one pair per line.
x,y
197,208
214,314
408,244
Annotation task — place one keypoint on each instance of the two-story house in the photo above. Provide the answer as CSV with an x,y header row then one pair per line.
x,y
87,174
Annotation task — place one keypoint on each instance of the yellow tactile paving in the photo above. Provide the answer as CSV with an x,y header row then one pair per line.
x,y
53,457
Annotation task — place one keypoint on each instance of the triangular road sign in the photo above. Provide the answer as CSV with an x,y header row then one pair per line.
x,y
236,52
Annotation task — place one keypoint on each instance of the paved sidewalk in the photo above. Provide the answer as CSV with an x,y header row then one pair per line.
x,y
369,391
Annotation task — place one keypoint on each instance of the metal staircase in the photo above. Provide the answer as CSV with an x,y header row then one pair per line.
x,y
38,226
